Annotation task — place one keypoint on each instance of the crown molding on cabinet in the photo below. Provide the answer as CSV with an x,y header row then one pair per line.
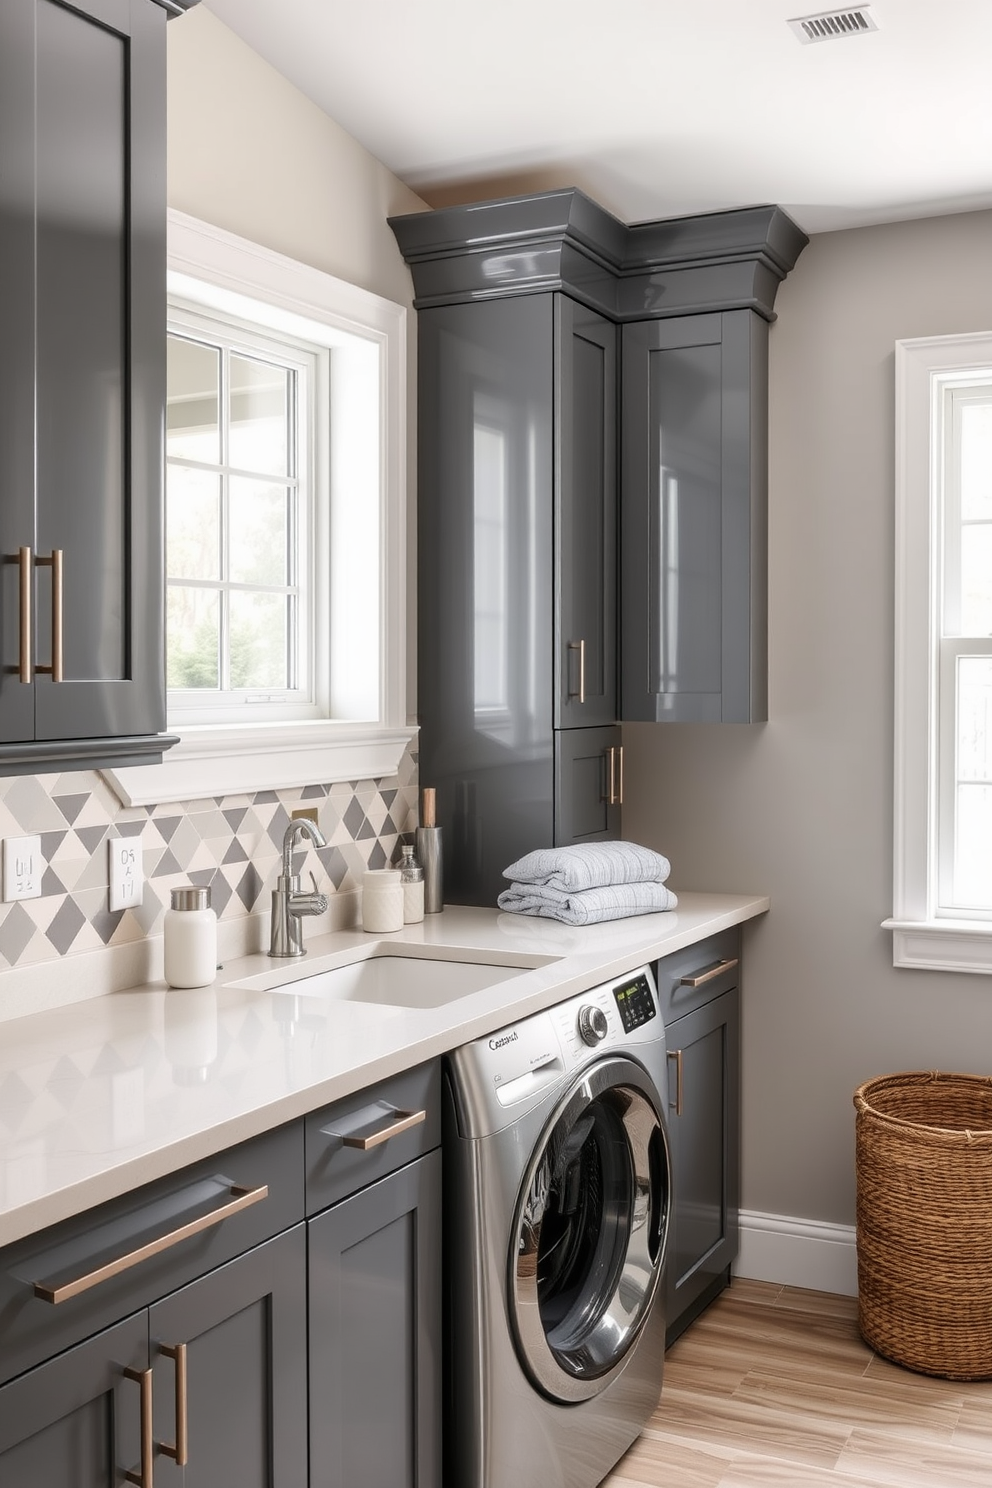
x,y
564,240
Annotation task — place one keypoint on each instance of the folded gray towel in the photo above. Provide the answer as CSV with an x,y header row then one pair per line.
x,y
587,906
589,865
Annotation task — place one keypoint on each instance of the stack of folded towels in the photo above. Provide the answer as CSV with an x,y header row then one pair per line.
x,y
587,883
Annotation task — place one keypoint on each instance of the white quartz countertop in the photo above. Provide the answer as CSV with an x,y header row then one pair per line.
x,y
104,1095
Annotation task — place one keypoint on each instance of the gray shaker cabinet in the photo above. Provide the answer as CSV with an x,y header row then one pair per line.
x,y
374,1160
694,518
700,1001
82,379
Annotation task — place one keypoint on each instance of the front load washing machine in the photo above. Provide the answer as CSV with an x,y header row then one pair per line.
x,y
557,1184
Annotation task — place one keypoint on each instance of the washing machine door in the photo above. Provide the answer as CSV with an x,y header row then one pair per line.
x,y
589,1233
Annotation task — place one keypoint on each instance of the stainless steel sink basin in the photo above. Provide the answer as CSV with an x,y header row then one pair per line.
x,y
396,980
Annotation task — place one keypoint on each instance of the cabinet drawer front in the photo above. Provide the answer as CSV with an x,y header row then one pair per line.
x,y
362,1138
64,1284
695,975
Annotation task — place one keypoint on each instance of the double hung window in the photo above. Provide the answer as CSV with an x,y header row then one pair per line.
x,y
942,915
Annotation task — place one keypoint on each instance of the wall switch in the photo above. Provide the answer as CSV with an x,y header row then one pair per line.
x,y
127,872
23,867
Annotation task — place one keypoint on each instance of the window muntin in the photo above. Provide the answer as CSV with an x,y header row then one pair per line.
x,y
239,521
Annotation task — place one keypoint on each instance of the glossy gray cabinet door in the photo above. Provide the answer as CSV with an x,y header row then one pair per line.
x,y
694,518
76,1419
485,633
82,285
244,1328
375,1334
585,517
704,1134
588,784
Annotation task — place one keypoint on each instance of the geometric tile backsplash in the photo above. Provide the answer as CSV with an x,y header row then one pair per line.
x,y
232,843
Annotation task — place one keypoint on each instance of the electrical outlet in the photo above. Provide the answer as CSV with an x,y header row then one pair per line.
x,y
127,872
23,868
308,813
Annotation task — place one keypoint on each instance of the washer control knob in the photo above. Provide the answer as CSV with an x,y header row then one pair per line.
x,y
593,1024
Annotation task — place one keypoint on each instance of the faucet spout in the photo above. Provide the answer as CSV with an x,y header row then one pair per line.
x,y
299,827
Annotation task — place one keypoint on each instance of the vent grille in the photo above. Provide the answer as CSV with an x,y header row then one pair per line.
x,y
834,25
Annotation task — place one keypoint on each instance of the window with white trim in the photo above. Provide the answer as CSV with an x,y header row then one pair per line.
x,y
286,525
942,913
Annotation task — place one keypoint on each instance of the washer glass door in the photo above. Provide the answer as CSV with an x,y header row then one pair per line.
x,y
590,1229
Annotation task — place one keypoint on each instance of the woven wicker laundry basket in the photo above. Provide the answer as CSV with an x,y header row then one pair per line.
x,y
924,1221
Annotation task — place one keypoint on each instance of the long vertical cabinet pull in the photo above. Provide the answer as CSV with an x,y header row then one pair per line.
x,y
55,563
580,696
144,1475
614,770
180,1452
676,1054
24,668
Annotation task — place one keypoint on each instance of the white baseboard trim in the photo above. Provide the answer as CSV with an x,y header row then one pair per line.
x,y
798,1252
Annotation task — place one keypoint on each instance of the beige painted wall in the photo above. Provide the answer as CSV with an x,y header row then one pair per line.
x,y
251,154
801,807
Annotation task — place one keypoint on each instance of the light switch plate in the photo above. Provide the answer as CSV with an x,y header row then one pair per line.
x,y
127,872
23,868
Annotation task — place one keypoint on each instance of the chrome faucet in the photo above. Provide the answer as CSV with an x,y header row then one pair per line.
x,y
289,904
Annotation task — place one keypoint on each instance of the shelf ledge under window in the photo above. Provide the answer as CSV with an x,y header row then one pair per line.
x,y
238,760
942,945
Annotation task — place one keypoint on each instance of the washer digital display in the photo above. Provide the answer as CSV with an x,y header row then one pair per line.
x,y
634,1003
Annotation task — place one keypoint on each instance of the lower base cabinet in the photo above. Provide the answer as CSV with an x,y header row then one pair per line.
x,y
234,1410
375,1306
700,1002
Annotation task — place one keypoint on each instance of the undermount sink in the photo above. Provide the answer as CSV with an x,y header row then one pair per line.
x,y
403,981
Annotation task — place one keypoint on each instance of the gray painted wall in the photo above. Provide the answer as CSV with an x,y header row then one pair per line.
x,y
801,807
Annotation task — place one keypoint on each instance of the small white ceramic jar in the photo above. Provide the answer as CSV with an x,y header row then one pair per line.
x,y
190,934
382,900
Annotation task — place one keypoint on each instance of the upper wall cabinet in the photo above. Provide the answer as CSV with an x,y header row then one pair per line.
x,y
82,382
695,417
693,297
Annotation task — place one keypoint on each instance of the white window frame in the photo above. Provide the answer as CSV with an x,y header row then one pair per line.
x,y
366,605
921,936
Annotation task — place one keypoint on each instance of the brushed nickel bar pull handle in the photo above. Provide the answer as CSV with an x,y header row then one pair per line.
x,y
56,563
24,668
702,977
405,1120
676,1054
611,776
620,775
144,1477
241,1198
579,646
180,1452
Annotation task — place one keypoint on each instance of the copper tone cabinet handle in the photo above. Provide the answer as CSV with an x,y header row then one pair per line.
x,y
579,646
55,563
404,1121
241,1198
702,977
676,1054
144,1475
24,669
180,1452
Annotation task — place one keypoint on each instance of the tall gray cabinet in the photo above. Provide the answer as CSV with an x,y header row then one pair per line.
x,y
591,497
82,381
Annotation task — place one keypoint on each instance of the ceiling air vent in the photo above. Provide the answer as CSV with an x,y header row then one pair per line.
x,y
834,25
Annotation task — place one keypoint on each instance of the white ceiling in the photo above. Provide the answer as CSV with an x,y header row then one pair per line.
x,y
654,107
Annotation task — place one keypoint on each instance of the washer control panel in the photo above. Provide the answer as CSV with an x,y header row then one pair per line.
x,y
634,1001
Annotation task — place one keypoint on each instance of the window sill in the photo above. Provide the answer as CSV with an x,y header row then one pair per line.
x,y
238,760
942,945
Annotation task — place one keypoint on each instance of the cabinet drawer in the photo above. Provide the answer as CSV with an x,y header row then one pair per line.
x,y
362,1138
695,975
124,1254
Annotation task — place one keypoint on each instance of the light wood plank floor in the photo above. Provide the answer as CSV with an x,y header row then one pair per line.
x,y
773,1385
